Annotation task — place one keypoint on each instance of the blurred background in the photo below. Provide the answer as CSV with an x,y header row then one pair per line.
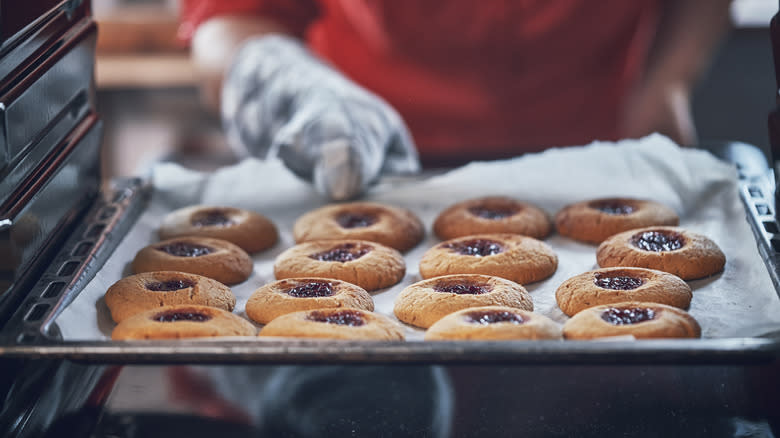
x,y
148,98
147,93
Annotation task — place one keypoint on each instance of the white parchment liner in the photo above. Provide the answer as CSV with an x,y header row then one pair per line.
x,y
703,190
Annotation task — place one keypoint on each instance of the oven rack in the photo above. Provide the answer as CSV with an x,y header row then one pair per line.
x,y
82,254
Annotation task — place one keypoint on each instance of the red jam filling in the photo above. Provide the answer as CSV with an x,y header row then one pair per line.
x,y
493,316
657,241
492,213
356,220
343,317
170,285
342,253
627,316
311,289
613,207
181,249
211,218
617,282
181,316
476,248
462,289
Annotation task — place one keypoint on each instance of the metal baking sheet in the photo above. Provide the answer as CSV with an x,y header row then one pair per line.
x,y
738,327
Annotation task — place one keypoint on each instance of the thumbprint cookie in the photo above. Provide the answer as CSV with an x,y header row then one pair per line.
x,y
213,258
517,258
493,323
493,214
369,265
391,226
614,285
151,290
251,231
182,321
425,302
670,249
594,221
640,320
295,294
343,323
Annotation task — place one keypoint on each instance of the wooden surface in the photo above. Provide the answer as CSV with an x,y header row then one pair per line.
x,y
138,47
162,70
139,29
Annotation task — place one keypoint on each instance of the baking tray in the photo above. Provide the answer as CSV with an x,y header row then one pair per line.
x,y
32,333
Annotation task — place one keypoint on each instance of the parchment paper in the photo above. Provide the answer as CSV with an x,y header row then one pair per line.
x,y
703,190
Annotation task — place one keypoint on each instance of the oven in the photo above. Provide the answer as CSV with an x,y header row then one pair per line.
x,y
59,225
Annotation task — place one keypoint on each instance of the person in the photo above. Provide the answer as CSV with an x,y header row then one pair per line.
x,y
471,80
330,87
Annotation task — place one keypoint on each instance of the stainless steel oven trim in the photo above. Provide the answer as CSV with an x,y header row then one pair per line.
x,y
706,351
81,256
45,211
75,48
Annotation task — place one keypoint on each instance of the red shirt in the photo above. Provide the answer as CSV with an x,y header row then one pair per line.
x,y
476,79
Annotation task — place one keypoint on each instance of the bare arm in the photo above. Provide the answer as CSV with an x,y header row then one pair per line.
x,y
214,44
688,33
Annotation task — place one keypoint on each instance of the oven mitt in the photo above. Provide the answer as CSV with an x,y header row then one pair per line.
x,y
279,101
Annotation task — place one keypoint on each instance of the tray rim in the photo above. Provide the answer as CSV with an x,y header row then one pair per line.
x,y
308,351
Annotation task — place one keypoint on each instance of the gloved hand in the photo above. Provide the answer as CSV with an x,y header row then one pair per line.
x,y
280,101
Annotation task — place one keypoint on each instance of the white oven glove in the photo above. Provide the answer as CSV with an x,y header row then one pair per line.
x,y
280,101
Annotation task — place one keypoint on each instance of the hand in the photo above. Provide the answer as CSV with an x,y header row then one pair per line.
x,y
662,107
279,101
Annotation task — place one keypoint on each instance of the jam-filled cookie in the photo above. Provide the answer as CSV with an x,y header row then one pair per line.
x,y
150,290
296,294
641,320
595,220
518,258
493,323
391,226
182,321
213,258
425,302
670,249
343,323
369,265
251,231
615,285
493,214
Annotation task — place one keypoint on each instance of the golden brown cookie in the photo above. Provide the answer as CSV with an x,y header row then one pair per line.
x,y
251,231
151,290
182,321
391,226
296,294
495,214
641,320
343,323
425,302
670,249
595,220
213,258
615,285
493,323
369,265
518,258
